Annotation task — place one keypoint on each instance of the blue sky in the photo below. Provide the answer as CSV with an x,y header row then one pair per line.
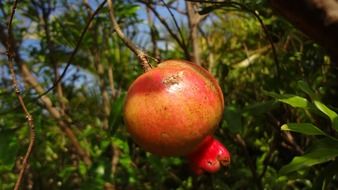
x,y
31,43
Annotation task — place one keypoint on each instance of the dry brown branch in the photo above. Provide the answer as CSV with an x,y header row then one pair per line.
x,y
194,19
137,51
29,118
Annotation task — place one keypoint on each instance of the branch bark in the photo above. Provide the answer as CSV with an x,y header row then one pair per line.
x,y
194,19
11,56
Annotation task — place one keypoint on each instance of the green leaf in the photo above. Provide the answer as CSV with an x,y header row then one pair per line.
x,y
304,128
8,148
292,100
295,101
330,113
66,172
306,88
115,116
82,168
322,151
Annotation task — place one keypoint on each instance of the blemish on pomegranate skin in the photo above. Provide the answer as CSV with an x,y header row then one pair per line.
x,y
173,82
166,112
173,79
164,135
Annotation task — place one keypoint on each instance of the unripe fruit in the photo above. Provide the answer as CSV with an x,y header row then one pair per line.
x,y
171,109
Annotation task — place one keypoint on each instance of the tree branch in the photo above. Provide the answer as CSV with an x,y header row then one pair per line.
x,y
194,20
30,79
175,22
182,45
29,118
316,18
137,51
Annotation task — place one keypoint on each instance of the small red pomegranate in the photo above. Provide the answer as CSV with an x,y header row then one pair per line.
x,y
173,109
209,156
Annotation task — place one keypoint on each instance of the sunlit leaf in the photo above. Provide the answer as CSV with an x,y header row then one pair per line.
x,y
330,113
292,100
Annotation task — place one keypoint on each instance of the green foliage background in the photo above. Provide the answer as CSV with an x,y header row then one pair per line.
x,y
280,127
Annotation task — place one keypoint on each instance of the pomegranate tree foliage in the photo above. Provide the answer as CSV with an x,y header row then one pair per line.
x,y
280,127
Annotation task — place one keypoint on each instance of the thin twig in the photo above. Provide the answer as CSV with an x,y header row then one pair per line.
x,y
153,33
175,21
55,113
115,159
251,163
29,118
247,9
74,51
137,51
182,45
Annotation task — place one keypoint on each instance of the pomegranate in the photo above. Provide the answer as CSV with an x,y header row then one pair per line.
x,y
173,109
209,156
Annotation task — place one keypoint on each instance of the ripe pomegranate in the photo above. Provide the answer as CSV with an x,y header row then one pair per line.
x,y
173,109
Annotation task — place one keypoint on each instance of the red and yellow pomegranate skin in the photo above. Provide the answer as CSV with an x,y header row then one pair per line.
x,y
172,108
